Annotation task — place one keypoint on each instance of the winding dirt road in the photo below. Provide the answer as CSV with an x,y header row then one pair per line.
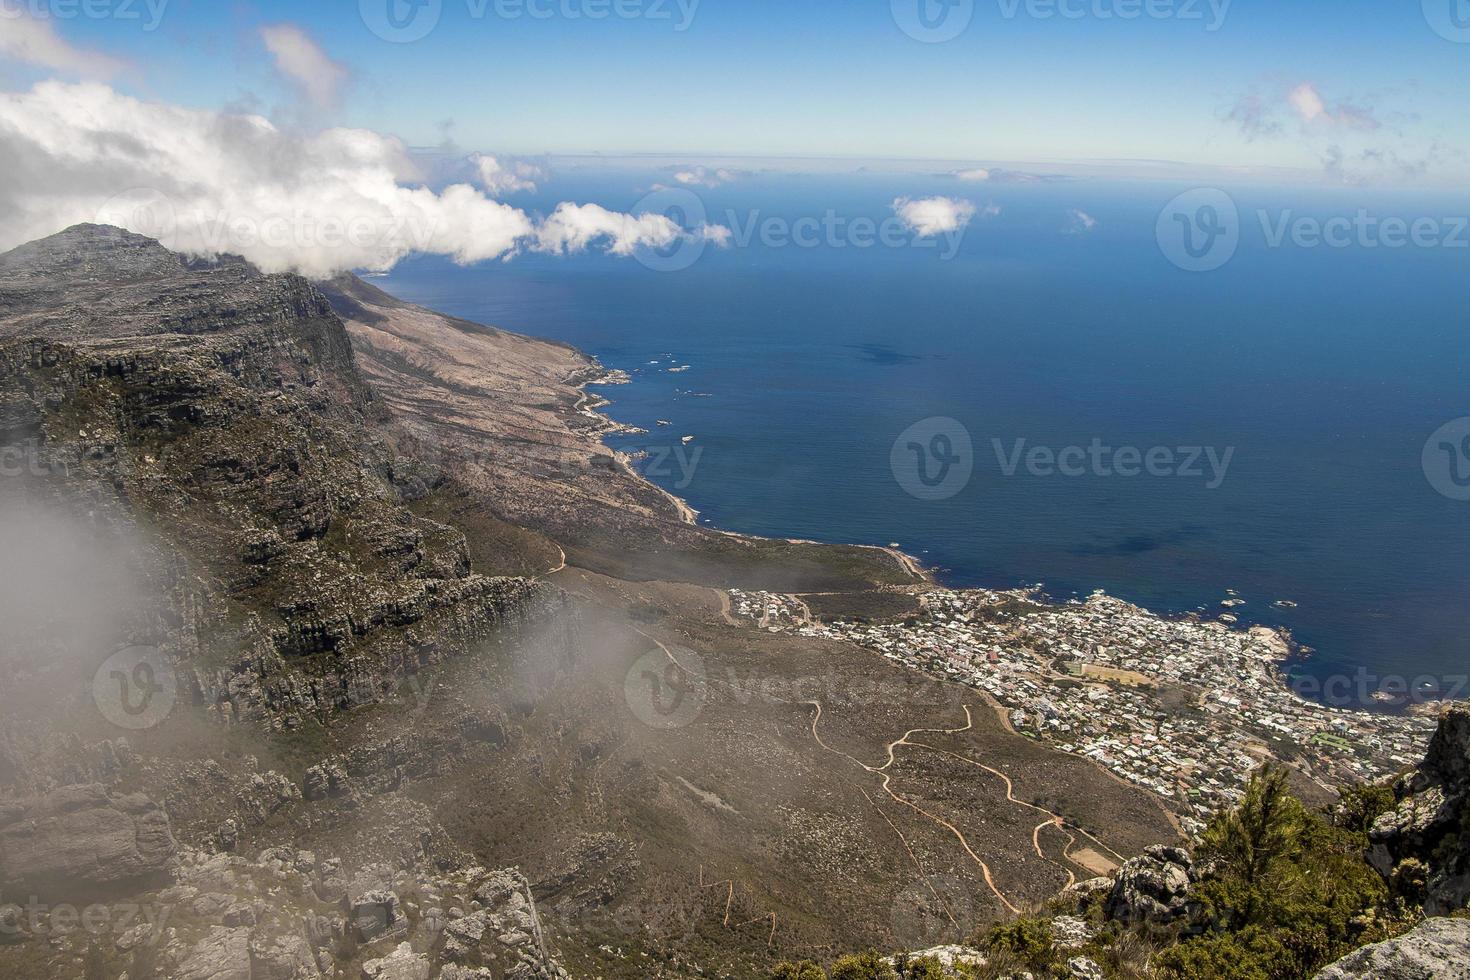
x,y
883,772
1053,819
887,787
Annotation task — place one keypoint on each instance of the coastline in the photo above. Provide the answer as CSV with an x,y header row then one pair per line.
x,y
1286,650
590,405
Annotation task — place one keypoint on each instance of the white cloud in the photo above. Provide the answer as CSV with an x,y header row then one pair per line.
x,y
34,41
302,61
506,177
576,227
705,177
1080,222
975,175
1261,116
206,183
1307,102
932,216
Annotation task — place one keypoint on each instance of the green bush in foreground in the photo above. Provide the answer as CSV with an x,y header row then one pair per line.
x,y
864,966
1283,891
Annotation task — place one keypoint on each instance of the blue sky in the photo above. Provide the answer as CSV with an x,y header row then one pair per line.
x,y
835,78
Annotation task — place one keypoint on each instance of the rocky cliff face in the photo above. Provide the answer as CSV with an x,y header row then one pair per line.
x,y
1423,845
213,420
209,520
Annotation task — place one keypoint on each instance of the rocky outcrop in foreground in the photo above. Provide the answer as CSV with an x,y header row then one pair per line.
x,y
1422,846
289,915
1153,887
83,836
1437,950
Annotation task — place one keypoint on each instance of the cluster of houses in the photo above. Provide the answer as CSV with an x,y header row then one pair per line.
x,y
1187,708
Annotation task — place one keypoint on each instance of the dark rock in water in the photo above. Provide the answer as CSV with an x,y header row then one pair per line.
x,y
1423,846
80,836
1437,950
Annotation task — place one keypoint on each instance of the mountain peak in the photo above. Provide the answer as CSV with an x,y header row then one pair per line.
x,y
91,252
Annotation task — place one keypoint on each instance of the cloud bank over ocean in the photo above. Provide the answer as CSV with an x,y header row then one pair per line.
x,y
209,183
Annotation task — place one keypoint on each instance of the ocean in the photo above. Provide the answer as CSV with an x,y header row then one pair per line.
x,y
1268,431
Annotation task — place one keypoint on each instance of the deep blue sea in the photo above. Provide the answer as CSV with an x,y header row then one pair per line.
x,y
1325,369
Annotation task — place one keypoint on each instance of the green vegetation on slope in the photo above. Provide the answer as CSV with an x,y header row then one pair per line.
x,y
1282,891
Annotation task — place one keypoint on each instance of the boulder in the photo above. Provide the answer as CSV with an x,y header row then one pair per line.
x,y
83,836
401,964
1082,968
1153,887
375,914
1071,932
1422,846
224,954
282,958
13,924
1437,950
949,958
